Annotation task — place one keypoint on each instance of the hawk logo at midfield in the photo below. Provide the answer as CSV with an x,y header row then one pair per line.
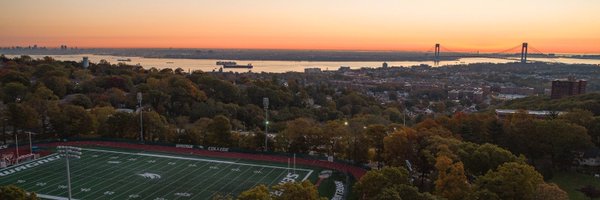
x,y
150,175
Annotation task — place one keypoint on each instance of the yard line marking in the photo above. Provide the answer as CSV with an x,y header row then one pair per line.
x,y
263,177
129,173
216,173
97,179
208,160
169,169
191,179
98,166
77,176
307,175
278,179
209,178
245,180
36,176
195,159
48,175
53,175
233,179
28,176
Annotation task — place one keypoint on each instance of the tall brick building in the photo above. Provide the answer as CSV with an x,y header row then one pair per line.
x,y
567,87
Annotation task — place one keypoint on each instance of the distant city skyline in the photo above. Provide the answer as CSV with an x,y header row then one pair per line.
x,y
552,26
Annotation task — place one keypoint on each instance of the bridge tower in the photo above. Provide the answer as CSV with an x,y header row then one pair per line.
x,y
437,51
524,53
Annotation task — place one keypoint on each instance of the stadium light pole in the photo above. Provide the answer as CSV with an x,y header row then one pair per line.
x,y
67,152
17,145
266,105
4,130
17,100
30,146
139,98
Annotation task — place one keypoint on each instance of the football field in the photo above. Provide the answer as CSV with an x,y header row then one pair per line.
x,y
124,174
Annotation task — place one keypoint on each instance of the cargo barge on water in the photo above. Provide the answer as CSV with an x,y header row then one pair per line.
x,y
232,64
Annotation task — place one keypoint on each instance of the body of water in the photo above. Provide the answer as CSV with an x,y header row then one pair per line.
x,y
286,66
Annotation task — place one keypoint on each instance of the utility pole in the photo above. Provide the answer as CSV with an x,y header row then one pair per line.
x,y
4,121
266,106
66,152
139,98
30,147
17,146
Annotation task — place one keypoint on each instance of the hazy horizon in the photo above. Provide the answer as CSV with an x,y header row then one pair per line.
x,y
465,25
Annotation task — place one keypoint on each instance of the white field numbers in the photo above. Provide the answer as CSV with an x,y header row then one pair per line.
x,y
289,178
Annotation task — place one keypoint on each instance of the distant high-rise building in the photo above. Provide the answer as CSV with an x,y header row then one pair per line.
x,y
384,65
567,87
85,62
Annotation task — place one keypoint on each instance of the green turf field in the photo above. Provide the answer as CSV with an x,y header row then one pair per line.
x,y
121,174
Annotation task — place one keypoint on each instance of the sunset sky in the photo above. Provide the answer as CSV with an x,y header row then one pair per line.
x,y
571,26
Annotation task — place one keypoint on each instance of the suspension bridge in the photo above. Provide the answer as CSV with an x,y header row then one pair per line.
x,y
519,53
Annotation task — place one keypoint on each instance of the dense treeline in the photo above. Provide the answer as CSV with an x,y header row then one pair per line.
x,y
590,102
463,156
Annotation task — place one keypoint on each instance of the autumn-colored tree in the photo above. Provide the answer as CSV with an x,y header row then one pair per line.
x,y
218,132
304,190
22,117
486,157
451,182
14,92
58,83
404,192
120,125
578,116
301,135
400,146
12,192
373,182
43,101
537,139
549,191
259,192
388,183
511,181
376,134
427,124
336,132
220,196
156,127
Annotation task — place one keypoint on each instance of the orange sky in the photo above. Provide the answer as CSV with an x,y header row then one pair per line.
x,y
414,25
